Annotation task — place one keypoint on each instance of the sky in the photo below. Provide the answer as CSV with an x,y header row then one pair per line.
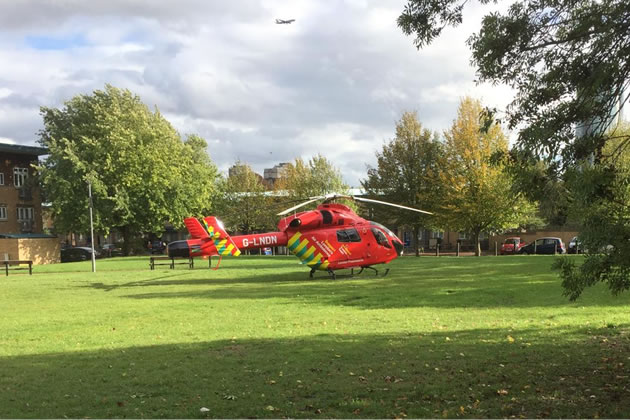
x,y
334,82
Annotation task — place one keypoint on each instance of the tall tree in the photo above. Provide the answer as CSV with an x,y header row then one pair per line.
x,y
568,62
407,172
477,193
243,204
142,174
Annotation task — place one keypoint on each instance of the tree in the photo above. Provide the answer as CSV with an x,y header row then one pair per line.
x,y
316,177
243,203
567,61
142,174
601,200
477,193
407,172
565,58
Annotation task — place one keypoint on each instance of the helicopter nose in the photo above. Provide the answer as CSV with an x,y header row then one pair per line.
x,y
178,249
399,246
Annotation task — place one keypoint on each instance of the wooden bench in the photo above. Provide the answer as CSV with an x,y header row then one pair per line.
x,y
7,263
170,261
153,261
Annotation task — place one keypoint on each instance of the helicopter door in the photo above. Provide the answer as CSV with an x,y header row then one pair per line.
x,y
350,246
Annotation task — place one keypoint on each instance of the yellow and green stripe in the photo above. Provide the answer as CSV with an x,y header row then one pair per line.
x,y
306,252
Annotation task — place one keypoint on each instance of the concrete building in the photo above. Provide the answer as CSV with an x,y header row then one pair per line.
x,y
272,175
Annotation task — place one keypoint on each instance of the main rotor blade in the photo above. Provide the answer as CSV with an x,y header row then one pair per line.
x,y
369,200
287,211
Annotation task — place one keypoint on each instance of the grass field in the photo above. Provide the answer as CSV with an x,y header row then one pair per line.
x,y
438,337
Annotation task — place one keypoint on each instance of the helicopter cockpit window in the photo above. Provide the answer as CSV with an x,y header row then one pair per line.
x,y
384,228
327,217
348,235
380,237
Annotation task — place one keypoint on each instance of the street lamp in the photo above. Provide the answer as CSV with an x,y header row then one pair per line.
x,y
91,228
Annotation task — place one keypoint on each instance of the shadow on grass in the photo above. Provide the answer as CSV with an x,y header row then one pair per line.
x,y
490,282
479,373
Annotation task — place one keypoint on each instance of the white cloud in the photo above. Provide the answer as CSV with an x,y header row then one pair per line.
x,y
334,82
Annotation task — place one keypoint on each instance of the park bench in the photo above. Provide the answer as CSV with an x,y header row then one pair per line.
x,y
170,261
17,263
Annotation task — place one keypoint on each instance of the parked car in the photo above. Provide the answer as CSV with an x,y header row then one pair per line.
x,y
111,250
511,245
575,246
78,253
545,245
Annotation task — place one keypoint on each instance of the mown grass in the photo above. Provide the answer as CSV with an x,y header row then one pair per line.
x,y
438,337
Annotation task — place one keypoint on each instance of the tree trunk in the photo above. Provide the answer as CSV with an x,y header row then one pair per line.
x,y
416,230
477,244
126,240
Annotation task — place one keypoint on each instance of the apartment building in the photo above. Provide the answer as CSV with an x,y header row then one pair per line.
x,y
20,198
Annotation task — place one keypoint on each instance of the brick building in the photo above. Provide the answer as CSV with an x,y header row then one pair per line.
x,y
21,231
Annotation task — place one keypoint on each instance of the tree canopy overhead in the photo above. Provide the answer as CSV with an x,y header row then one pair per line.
x,y
141,172
568,60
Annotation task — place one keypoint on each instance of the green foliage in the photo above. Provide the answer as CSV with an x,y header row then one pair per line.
x,y
543,182
316,177
142,174
567,60
477,193
243,204
407,173
601,200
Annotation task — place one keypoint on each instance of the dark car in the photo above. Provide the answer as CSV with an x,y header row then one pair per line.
x,y
511,245
78,253
547,245
157,247
111,250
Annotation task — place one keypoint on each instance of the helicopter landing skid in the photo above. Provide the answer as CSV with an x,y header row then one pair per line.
x,y
372,268
333,276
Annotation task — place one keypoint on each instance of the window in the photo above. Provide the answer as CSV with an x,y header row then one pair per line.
x,y
436,234
3,212
1,178
25,213
327,217
380,237
19,176
463,235
348,235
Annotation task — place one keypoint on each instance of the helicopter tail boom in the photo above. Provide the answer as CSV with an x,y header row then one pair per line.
x,y
260,240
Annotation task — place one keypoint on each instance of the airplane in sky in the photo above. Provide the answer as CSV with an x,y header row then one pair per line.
x,y
284,22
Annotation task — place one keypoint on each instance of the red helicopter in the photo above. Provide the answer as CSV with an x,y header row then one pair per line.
x,y
330,238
